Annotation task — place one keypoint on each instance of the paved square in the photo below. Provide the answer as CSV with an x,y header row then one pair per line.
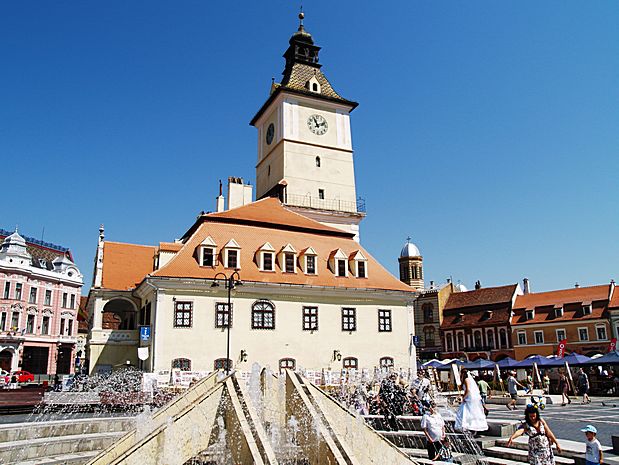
x,y
567,421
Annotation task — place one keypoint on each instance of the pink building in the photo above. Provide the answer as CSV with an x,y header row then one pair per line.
x,y
39,298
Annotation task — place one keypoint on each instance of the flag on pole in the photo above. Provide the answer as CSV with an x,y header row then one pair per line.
x,y
561,348
613,345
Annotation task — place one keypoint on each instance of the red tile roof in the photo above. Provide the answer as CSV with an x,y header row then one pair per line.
x,y
614,301
563,296
125,265
483,296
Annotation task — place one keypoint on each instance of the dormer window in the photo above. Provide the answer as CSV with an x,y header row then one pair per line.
x,y
309,261
529,314
313,85
358,264
338,262
558,312
232,255
341,267
266,257
288,259
207,252
586,308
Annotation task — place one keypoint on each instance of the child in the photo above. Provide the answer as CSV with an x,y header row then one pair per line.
x,y
594,454
444,452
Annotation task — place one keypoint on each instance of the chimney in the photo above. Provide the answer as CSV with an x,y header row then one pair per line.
x,y
577,285
239,193
477,285
448,280
525,286
431,284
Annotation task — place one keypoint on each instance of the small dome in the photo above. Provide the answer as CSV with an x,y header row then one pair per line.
x,y
409,250
461,287
15,239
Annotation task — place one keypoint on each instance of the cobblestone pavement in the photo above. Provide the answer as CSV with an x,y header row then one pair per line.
x,y
567,421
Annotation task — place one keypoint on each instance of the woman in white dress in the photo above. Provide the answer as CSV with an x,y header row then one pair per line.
x,y
470,416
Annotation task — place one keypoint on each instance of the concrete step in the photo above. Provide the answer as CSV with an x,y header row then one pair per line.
x,y
77,458
519,455
46,429
29,449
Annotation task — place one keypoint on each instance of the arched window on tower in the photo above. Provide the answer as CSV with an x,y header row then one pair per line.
x,y
318,162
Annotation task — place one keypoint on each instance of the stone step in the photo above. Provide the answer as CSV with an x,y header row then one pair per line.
x,y
77,458
45,429
29,449
519,455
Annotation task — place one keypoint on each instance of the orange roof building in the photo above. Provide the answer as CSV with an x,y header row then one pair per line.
x,y
580,315
304,285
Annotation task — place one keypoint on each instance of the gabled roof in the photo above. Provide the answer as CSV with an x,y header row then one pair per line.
x,y
267,212
125,265
614,301
480,297
562,297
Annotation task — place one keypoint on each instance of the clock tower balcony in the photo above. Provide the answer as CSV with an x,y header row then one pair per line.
x,y
317,203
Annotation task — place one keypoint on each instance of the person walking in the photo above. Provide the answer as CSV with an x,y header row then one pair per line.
x,y
564,387
546,383
470,416
593,448
541,437
433,427
583,386
512,389
483,389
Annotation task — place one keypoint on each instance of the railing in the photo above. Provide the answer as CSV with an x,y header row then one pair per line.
x,y
308,201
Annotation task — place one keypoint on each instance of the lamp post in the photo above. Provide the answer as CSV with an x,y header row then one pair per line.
x,y
230,283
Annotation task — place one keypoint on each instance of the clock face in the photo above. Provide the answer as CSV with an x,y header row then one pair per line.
x,y
270,133
317,124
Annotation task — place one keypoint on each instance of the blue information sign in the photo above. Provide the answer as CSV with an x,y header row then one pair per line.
x,y
144,333
416,341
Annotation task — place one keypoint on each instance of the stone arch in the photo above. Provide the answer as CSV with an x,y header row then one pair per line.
x,y
8,358
119,313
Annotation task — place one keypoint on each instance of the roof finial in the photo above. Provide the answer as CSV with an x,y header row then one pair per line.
x,y
301,16
16,228
408,240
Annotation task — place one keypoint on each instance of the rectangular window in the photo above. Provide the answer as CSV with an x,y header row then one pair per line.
x,y
601,333
30,324
539,337
384,321
586,309
558,312
182,314
310,318
45,325
289,262
267,261
7,290
560,335
33,296
321,194
72,301
48,297
222,315
310,264
341,267
65,298
233,256
349,319
208,256
3,321
361,269
583,334
530,314
15,321
63,325
522,338
69,327
263,315
18,287
350,363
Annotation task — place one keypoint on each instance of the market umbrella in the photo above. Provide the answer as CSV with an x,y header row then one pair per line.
x,y
479,364
433,364
447,366
536,359
572,359
507,362
611,358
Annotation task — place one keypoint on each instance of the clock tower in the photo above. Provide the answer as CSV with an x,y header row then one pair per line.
x,y
305,155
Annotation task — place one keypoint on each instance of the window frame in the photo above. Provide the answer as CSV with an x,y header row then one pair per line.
x,y
386,362
349,319
536,333
31,324
449,342
221,309
220,364
289,258
272,257
237,258
32,297
524,334
212,255
321,194
283,362
19,288
7,290
597,332
350,363
385,322
338,262
580,335
263,312
178,310
529,314
46,322
65,299
562,330
46,300
181,361
307,271
310,318
362,264
587,309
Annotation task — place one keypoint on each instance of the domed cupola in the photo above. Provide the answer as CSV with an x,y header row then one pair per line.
x,y
14,248
411,265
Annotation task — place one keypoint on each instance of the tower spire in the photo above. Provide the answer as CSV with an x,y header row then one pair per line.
x,y
301,17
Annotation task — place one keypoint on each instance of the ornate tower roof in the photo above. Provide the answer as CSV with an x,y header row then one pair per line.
x,y
301,69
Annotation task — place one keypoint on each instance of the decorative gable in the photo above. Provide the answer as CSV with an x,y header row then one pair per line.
x,y
338,263
358,264
265,257
207,252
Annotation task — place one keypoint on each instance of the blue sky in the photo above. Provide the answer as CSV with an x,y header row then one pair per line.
x,y
488,131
